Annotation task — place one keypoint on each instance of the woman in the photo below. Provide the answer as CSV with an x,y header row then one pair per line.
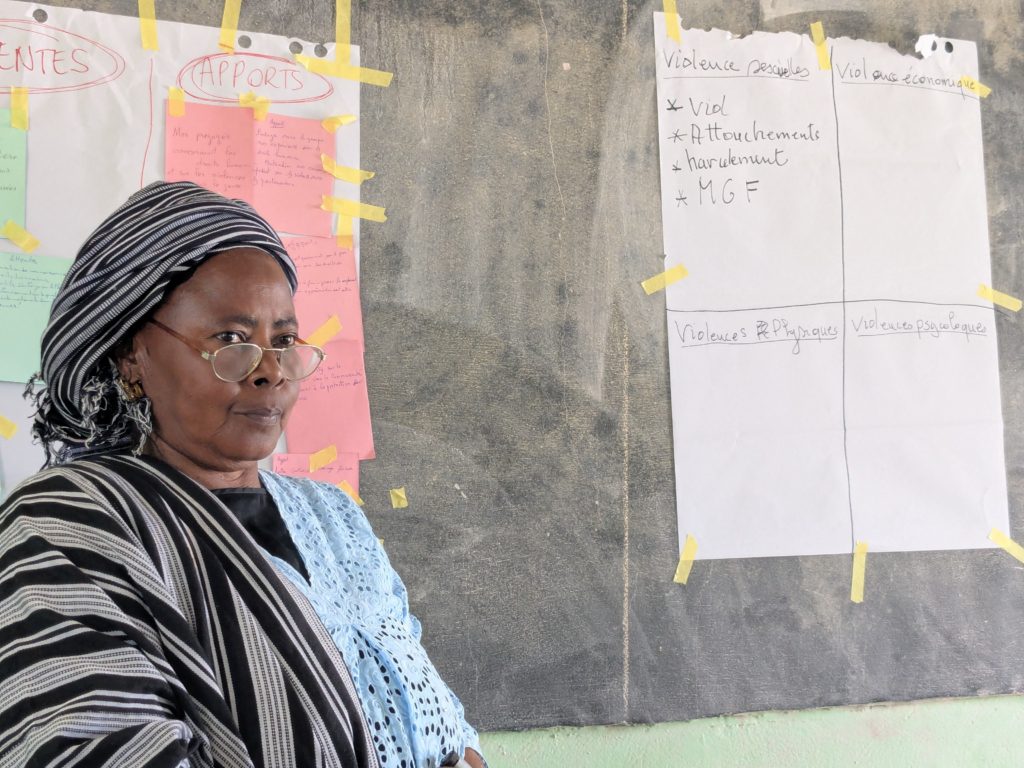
x,y
162,601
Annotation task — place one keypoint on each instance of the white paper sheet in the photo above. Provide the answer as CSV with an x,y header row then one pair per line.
x,y
96,111
834,374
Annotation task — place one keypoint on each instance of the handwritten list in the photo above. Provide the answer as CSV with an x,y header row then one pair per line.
x,y
834,375
28,284
13,151
272,164
328,285
334,405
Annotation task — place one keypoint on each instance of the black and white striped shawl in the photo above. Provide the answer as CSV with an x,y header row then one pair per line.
x,y
115,576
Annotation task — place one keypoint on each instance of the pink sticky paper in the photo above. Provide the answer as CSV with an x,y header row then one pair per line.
x,y
334,406
345,467
213,147
328,285
273,164
290,180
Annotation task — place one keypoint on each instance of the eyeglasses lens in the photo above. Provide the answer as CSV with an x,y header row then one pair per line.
x,y
300,361
236,361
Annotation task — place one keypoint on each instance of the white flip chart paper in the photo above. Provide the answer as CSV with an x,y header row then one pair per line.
x,y
98,117
834,373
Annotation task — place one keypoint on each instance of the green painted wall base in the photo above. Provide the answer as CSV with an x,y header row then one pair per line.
x,y
953,733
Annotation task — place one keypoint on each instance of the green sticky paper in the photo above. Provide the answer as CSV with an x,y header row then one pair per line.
x,y
13,149
28,284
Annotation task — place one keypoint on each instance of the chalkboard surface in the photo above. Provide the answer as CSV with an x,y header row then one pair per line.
x,y
519,379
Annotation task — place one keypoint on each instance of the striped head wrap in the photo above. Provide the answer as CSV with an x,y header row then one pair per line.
x,y
121,274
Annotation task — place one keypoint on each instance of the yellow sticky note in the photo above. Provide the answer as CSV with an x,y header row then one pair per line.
x,y
343,31
260,105
7,427
398,500
686,560
344,173
1007,543
975,87
229,25
347,488
345,71
661,281
1005,300
820,45
344,232
331,124
147,24
326,332
19,237
352,208
672,20
860,559
176,102
322,458
19,108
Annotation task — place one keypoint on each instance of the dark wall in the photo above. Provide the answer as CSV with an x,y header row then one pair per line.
x,y
519,376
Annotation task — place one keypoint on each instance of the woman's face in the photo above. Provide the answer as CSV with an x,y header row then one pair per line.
x,y
215,426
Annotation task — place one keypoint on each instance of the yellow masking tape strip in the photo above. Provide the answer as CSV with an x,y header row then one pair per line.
x,y
344,232
686,560
345,71
347,488
147,24
7,427
352,208
229,25
860,559
1011,303
19,108
1007,543
343,31
344,173
331,124
818,38
325,332
260,104
176,102
672,20
665,279
19,237
398,500
974,86
322,458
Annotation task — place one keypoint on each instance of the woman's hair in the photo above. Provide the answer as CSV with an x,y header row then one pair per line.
x,y
121,275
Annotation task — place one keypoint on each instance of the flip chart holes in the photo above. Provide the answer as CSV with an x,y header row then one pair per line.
x,y
244,41
949,47
40,15
935,45
295,46
320,50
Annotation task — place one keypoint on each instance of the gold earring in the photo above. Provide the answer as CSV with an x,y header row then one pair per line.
x,y
132,390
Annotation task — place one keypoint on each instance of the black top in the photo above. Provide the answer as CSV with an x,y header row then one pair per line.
x,y
256,510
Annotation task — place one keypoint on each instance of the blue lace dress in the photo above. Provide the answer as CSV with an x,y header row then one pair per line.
x,y
414,717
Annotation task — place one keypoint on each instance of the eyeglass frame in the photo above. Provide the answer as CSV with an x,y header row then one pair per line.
x,y
211,355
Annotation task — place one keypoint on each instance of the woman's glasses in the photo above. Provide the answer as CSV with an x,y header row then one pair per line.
x,y
235,362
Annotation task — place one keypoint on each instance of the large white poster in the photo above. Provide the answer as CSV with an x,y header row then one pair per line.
x,y
834,372
100,128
